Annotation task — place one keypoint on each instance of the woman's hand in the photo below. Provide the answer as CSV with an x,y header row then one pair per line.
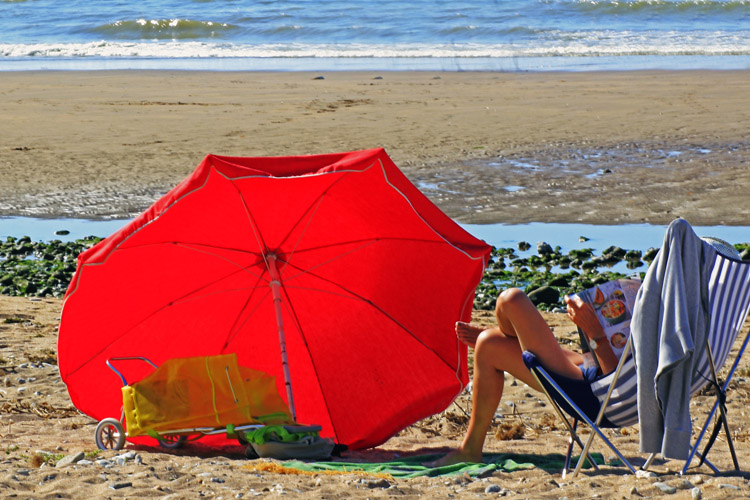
x,y
582,314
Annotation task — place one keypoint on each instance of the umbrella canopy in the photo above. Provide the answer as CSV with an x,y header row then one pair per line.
x,y
335,263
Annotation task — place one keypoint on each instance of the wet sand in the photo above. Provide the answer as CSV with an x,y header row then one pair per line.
x,y
609,147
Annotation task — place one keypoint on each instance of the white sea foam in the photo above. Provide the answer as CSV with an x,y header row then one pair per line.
x,y
614,44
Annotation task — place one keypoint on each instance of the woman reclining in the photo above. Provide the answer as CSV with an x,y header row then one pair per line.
x,y
497,350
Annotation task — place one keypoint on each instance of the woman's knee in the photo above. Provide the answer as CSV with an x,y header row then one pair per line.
x,y
496,351
509,298
488,342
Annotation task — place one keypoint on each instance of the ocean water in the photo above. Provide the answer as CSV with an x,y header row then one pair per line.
x,y
289,35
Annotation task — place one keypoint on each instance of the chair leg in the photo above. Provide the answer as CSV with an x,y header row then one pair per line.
x,y
597,431
722,421
536,372
585,418
594,427
649,461
569,452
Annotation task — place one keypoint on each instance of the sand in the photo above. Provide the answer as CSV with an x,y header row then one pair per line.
x,y
39,426
585,147
610,147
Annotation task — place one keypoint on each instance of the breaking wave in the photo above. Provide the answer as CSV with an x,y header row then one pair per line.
x,y
619,44
163,29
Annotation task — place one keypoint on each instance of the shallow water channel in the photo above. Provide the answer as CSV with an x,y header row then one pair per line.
x,y
40,265
567,236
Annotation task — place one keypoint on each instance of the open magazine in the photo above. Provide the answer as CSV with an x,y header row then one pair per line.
x,y
613,303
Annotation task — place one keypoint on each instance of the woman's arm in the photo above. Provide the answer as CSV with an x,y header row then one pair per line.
x,y
583,315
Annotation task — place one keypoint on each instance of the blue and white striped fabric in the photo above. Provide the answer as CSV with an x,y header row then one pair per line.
x,y
729,302
622,409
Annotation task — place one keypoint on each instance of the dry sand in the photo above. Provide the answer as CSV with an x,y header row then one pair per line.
x,y
38,422
607,147
602,148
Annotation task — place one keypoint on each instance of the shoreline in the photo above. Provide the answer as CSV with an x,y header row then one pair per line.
x,y
603,147
445,63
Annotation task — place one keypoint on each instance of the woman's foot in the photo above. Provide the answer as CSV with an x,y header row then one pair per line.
x,y
468,332
456,457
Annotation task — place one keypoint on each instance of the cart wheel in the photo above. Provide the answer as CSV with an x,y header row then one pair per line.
x,y
172,441
251,453
110,434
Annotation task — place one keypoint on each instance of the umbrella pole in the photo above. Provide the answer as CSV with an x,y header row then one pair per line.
x,y
276,292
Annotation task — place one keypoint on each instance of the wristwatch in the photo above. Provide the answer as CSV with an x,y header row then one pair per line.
x,y
593,343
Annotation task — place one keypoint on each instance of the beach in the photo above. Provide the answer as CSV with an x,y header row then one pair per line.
x,y
593,147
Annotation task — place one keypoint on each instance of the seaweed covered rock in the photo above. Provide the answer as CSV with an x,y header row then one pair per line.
x,y
543,248
38,268
544,295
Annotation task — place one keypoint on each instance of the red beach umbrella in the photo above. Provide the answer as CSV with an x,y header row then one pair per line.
x,y
332,272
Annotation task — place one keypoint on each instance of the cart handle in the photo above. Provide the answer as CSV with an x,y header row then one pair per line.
x,y
127,358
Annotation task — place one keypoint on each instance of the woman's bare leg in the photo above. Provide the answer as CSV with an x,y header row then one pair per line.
x,y
518,316
493,350
467,333
498,350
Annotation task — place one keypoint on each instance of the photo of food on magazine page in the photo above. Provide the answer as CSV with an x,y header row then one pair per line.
x,y
613,303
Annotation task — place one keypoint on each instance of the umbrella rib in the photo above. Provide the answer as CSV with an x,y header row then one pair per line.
x,y
182,298
363,244
373,240
194,246
317,204
287,304
311,210
203,248
308,214
200,247
253,223
347,293
237,325
145,318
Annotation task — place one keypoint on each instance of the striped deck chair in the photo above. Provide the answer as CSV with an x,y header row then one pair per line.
x,y
611,400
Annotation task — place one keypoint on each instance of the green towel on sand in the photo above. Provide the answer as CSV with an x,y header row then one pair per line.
x,y
412,466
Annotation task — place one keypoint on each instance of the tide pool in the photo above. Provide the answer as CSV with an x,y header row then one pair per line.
x,y
628,236
65,230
